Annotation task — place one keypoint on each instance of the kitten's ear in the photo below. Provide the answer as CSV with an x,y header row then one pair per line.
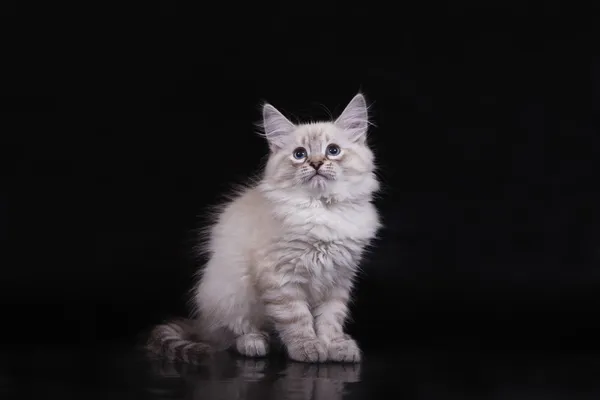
x,y
276,127
354,120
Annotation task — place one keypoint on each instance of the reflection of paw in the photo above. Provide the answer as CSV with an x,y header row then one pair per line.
x,y
252,345
251,369
309,350
344,349
331,372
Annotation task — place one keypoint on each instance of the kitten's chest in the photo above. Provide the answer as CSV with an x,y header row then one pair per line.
x,y
323,266
325,225
325,246
334,257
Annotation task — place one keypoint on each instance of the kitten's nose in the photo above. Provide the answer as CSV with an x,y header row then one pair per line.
x,y
316,164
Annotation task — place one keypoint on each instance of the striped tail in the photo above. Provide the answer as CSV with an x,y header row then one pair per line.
x,y
177,340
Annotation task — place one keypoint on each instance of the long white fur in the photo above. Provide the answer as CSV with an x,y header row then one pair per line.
x,y
284,252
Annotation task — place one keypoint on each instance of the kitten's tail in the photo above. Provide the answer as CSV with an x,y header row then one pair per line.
x,y
177,340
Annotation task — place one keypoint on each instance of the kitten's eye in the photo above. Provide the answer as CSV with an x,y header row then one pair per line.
x,y
299,153
333,150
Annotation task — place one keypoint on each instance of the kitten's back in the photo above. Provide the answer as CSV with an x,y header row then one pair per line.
x,y
244,224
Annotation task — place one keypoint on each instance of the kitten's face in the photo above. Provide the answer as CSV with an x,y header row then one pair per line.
x,y
325,159
319,157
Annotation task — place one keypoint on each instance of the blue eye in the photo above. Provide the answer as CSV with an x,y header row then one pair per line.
x,y
299,153
333,150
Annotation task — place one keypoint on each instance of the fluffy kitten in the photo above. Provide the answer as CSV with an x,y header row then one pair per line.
x,y
284,252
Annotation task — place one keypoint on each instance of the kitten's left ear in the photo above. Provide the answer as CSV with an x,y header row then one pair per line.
x,y
354,120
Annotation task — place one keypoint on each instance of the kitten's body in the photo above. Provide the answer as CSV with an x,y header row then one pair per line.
x,y
284,253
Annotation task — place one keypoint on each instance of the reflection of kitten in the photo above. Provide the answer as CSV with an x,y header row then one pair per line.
x,y
225,378
284,252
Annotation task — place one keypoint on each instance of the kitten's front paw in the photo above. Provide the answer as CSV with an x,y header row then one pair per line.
x,y
310,350
252,345
344,349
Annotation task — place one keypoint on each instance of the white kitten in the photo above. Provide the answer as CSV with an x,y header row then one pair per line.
x,y
284,253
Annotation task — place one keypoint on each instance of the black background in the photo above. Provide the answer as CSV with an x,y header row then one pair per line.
x,y
124,122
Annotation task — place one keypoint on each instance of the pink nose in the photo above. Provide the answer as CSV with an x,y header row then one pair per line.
x,y
316,164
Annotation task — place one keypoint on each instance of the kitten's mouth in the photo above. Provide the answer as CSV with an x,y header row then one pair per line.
x,y
318,181
317,175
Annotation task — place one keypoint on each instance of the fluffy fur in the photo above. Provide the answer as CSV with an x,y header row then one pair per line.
x,y
284,252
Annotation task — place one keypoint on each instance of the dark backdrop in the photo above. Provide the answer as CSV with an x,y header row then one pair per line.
x,y
123,123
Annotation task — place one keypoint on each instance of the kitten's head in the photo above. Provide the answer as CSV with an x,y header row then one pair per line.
x,y
321,159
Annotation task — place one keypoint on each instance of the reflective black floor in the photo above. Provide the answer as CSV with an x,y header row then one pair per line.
x,y
123,373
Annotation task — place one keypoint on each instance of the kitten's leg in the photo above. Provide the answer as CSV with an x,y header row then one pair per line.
x,y
232,317
250,340
286,306
329,324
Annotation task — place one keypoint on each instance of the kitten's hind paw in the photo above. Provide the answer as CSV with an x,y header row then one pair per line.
x,y
344,350
252,345
311,350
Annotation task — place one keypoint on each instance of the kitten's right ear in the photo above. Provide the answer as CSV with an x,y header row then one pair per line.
x,y
276,127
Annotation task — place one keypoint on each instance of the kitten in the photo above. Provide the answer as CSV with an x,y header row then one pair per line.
x,y
284,252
